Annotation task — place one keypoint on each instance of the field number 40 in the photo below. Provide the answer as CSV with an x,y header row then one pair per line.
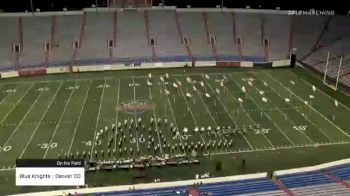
x,y
6,148
300,128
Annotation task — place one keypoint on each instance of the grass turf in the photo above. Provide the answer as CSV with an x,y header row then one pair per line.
x,y
42,117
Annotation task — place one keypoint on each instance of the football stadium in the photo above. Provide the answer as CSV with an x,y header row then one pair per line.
x,y
178,101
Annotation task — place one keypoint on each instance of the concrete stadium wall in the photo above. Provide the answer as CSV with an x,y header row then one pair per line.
x,y
155,65
281,63
312,168
247,64
55,70
10,74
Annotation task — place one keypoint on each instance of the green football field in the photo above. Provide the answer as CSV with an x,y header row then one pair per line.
x,y
272,118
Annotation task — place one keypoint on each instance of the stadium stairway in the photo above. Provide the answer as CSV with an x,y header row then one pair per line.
x,y
192,26
162,26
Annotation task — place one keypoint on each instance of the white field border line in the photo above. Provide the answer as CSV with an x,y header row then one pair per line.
x,y
24,117
122,77
256,150
257,89
40,121
78,120
248,115
345,93
59,121
116,116
308,105
155,116
229,114
327,95
278,148
135,119
194,120
299,113
19,100
172,113
258,106
97,119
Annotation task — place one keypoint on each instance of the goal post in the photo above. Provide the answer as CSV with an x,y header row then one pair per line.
x,y
332,71
338,73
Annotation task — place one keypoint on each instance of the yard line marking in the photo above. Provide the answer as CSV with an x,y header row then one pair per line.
x,y
2,101
279,129
19,100
211,116
172,112
308,105
321,80
248,115
154,113
229,114
319,128
116,118
97,119
256,104
257,89
327,95
194,120
59,121
78,121
137,135
40,121
287,115
24,117
277,148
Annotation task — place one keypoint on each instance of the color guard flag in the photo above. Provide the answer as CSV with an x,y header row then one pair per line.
x,y
175,85
313,88
243,89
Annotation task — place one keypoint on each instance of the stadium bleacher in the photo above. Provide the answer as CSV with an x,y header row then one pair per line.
x,y
64,38
316,182
220,25
163,28
131,41
248,28
279,46
6,40
131,30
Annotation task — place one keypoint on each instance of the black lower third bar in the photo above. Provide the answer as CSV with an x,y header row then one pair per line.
x,y
50,163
